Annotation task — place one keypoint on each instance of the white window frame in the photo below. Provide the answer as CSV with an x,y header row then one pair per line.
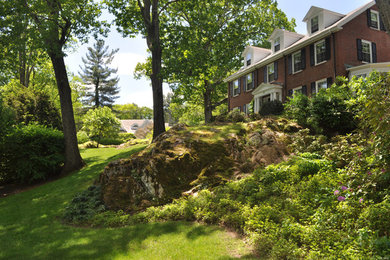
x,y
297,90
246,81
318,83
370,48
315,52
235,87
277,43
268,71
376,13
248,58
311,24
293,61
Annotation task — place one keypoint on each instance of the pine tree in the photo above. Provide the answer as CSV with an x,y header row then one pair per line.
x,y
96,75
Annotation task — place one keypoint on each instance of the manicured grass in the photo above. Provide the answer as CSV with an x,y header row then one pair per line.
x,y
31,228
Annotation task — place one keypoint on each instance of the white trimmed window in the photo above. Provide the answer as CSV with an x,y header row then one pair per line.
x,y
320,84
297,61
366,51
277,44
314,24
271,72
320,52
249,82
374,19
248,59
297,90
235,87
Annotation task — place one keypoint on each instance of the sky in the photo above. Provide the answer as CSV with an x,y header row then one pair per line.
x,y
133,50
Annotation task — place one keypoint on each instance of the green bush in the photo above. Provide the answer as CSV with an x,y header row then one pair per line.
x,y
274,107
31,153
101,123
31,105
82,137
85,205
235,116
328,112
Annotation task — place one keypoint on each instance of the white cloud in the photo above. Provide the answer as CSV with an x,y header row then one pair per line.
x,y
126,62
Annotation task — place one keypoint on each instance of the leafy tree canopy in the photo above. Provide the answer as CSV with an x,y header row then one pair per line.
x,y
132,111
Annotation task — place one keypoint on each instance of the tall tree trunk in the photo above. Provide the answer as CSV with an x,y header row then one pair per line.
x,y
208,107
154,45
73,160
384,10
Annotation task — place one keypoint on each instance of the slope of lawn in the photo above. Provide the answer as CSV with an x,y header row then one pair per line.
x,y
30,226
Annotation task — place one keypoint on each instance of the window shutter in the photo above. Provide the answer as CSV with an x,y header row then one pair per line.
x,y
329,82
303,58
369,17
255,79
239,86
359,49
373,46
312,55
276,70
382,25
265,74
327,48
304,90
290,92
289,60
231,88
244,83
313,87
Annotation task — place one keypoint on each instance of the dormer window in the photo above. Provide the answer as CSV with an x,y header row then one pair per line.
x,y
277,44
248,59
314,24
374,19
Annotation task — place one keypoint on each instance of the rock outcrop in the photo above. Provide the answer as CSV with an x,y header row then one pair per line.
x,y
186,158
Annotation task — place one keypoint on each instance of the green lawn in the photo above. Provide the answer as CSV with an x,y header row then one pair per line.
x,y
30,226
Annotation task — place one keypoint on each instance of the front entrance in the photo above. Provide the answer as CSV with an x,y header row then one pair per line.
x,y
265,99
265,93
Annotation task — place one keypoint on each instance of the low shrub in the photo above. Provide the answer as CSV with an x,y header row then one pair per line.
x,y
235,116
84,206
31,153
274,107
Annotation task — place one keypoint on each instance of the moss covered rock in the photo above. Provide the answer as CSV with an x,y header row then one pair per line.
x,y
183,158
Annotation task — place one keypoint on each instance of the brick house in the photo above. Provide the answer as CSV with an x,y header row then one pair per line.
x,y
335,45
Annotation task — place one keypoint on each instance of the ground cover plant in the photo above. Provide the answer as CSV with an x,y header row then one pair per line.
x,y
31,226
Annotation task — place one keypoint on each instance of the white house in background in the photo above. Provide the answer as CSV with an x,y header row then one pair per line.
x,y
130,126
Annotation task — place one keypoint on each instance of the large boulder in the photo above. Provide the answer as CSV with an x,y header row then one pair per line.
x,y
185,159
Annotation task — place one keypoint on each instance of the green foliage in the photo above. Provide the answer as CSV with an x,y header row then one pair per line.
x,y
31,153
97,73
132,111
274,107
235,116
6,118
84,205
297,108
82,137
372,104
100,123
328,112
302,208
188,113
31,105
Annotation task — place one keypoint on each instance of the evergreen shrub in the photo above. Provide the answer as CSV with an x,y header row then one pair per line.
x,y
31,153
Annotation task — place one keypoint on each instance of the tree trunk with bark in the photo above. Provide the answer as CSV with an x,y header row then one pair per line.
x,y
208,107
384,10
150,15
73,160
